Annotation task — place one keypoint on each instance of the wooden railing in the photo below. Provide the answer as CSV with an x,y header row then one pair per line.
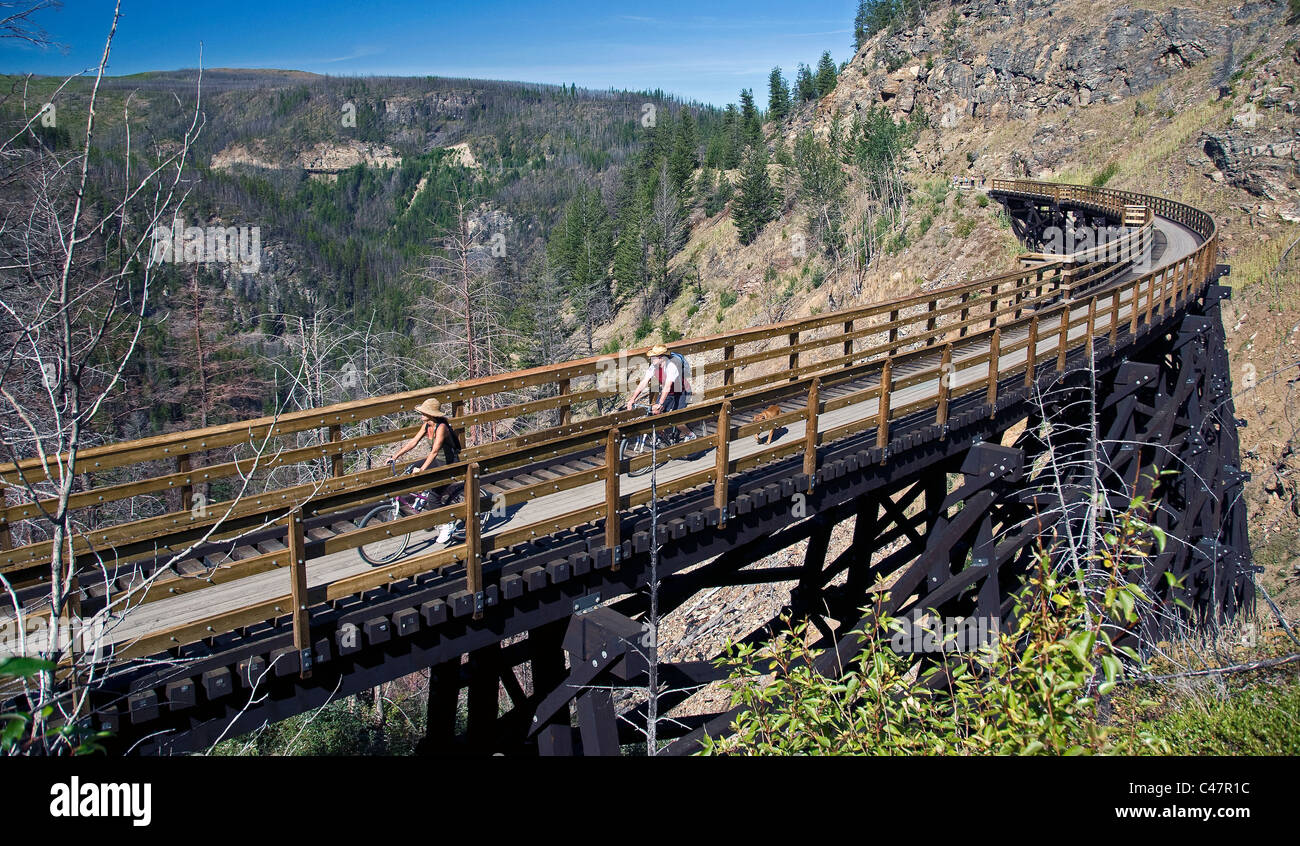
x,y
798,348
1137,217
972,334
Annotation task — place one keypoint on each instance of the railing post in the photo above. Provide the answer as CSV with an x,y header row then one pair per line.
x,y
6,539
1151,297
1114,318
882,411
932,322
722,460
473,541
187,490
794,356
893,330
336,460
457,411
566,407
848,343
965,312
810,431
728,375
1063,340
1134,306
613,534
1092,322
1031,351
946,374
995,369
993,307
298,583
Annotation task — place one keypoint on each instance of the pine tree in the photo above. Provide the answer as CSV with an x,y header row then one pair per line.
x,y
733,140
751,123
666,231
805,85
685,158
860,34
630,258
826,74
778,96
756,204
882,14
579,252
821,186
659,145
630,246
718,189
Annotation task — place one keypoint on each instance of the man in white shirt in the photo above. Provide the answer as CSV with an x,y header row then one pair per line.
x,y
675,385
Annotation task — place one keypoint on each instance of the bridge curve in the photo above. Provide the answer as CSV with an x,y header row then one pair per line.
x,y
877,403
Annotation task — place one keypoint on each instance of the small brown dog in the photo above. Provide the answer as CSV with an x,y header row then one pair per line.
x,y
766,414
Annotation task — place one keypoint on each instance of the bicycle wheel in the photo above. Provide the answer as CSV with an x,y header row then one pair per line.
x,y
387,549
630,449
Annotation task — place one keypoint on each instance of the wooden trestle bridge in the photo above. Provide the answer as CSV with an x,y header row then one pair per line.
x,y
902,414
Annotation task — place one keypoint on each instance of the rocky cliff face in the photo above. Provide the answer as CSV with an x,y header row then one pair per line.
x,y
335,157
1019,58
1257,150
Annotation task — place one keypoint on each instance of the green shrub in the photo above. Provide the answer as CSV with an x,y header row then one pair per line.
x,y
727,299
1104,175
342,727
1035,691
32,733
643,330
982,200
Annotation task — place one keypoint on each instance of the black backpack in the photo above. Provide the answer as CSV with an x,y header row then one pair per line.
x,y
451,444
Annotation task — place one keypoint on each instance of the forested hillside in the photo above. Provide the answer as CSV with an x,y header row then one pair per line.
x,y
358,188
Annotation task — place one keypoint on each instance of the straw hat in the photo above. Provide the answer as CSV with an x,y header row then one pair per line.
x,y
430,408
658,350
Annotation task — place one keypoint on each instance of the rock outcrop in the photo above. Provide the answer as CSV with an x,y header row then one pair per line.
x,y
1044,55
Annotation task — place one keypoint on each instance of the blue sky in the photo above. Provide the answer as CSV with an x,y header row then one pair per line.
x,y
700,50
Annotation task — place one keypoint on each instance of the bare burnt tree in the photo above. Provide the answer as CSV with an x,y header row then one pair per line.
x,y
460,310
322,359
78,278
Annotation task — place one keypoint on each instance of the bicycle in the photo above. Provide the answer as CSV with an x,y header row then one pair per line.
x,y
630,448
389,549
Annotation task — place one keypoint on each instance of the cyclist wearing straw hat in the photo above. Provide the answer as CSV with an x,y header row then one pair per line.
x,y
437,429
669,370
